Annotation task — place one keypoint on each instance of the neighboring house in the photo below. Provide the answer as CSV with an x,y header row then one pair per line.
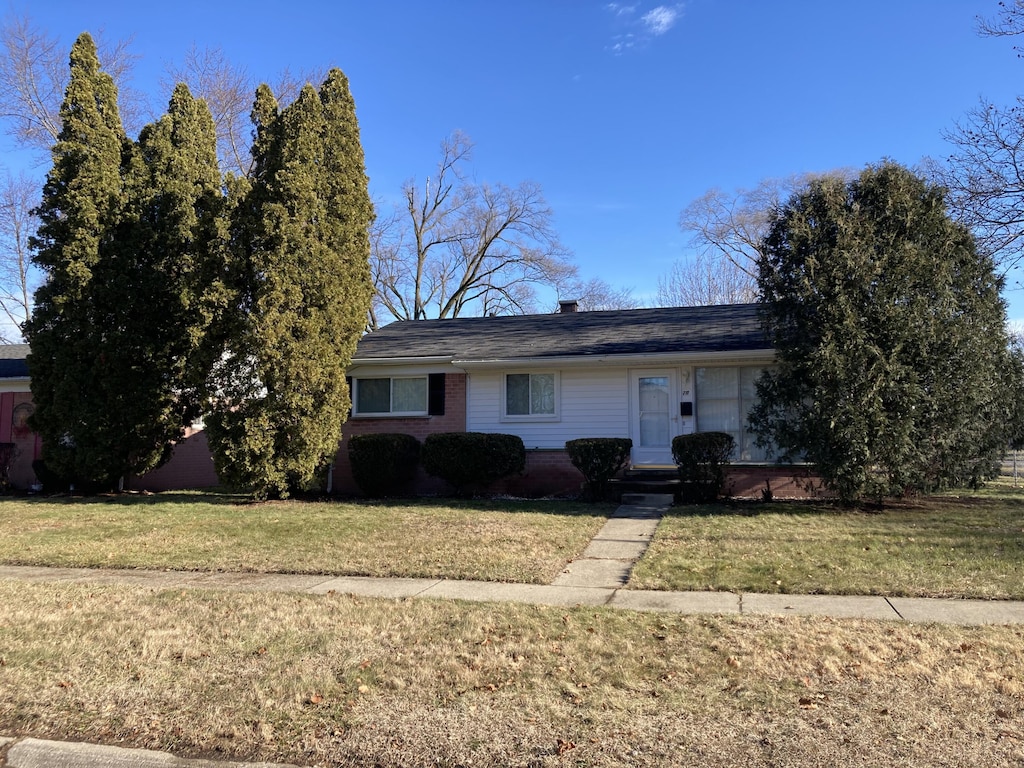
x,y
15,408
645,374
190,466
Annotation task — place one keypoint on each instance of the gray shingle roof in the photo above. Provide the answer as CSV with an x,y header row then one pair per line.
x,y
12,361
724,328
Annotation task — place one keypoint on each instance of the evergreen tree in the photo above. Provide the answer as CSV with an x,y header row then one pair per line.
x,y
80,209
304,290
129,242
161,284
893,356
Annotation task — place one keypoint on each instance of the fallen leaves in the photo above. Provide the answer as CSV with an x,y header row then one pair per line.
x,y
812,701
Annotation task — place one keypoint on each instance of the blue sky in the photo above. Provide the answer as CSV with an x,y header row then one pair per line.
x,y
622,112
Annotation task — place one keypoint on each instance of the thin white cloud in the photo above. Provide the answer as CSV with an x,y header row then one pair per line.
x,y
621,43
621,10
633,31
661,19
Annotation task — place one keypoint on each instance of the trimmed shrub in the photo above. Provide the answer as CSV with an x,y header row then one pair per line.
x,y
383,464
702,458
468,460
599,459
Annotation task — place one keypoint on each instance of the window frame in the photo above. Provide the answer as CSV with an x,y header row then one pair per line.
x,y
743,436
391,414
527,417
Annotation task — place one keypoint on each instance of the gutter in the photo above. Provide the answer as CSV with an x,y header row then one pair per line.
x,y
589,361
441,363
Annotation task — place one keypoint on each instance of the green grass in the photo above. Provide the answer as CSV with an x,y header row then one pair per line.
x,y
524,541
941,546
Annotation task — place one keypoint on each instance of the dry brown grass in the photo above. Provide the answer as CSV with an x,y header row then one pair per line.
x,y
523,541
337,680
937,546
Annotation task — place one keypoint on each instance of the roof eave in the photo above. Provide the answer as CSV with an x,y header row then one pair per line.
x,y
577,361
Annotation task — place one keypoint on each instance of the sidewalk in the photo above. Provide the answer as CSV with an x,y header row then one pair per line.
x,y
597,578
911,609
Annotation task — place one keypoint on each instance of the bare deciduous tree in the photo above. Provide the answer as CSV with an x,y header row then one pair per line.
x,y
984,181
983,174
596,294
34,73
18,279
1008,22
228,91
734,224
727,232
705,279
458,247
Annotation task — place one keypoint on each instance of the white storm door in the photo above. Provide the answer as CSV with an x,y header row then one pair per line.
x,y
654,415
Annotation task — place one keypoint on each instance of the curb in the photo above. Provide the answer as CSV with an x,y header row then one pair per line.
x,y
39,753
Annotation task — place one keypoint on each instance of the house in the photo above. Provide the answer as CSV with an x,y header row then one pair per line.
x,y
190,466
645,374
15,408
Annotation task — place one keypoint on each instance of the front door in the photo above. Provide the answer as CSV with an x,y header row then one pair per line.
x,y
653,419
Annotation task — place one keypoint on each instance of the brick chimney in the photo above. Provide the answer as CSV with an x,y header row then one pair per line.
x,y
568,305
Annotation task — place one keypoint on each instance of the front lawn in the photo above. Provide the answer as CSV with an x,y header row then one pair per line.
x,y
342,681
938,546
523,541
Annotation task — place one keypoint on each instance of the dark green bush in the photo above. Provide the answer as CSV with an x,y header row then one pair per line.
x,y
383,464
702,458
468,460
55,483
599,458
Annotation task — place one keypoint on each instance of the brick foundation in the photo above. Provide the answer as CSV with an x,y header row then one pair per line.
x,y
782,482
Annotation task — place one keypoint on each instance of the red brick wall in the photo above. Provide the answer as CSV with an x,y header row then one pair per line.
x,y
453,420
190,466
783,482
548,473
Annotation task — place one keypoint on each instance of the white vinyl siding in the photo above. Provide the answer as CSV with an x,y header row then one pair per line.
x,y
591,403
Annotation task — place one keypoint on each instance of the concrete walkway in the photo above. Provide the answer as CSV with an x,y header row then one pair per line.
x,y
596,578
613,552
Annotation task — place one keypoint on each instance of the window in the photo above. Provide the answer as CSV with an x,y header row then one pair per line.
x,y
724,397
396,396
531,395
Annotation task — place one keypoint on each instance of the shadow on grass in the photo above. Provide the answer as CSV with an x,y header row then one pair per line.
x,y
482,504
755,508
1001,499
219,496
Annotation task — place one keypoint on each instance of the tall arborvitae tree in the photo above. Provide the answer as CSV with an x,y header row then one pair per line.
x,y
160,287
129,241
304,290
81,207
894,371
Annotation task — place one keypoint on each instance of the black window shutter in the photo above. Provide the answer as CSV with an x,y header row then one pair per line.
x,y
351,396
435,394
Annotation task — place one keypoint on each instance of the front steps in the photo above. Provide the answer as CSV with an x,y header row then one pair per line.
x,y
646,480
